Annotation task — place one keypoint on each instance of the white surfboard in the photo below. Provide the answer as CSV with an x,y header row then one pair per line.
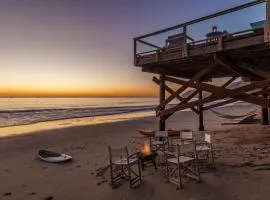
x,y
53,157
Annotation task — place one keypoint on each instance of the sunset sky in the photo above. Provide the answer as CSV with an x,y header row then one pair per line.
x,y
84,47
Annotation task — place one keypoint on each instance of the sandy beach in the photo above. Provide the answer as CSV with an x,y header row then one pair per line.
x,y
242,155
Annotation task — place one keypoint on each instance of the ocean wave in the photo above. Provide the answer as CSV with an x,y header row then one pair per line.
x,y
29,116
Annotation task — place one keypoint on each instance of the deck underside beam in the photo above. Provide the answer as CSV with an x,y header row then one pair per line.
x,y
218,93
196,77
171,91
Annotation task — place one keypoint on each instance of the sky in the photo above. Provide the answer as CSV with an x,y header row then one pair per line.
x,y
85,47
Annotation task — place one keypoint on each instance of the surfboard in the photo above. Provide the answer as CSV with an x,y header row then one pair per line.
x,y
53,157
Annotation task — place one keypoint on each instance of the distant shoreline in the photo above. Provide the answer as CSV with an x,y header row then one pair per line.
x,y
71,122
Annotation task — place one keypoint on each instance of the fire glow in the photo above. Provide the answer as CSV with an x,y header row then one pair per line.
x,y
146,149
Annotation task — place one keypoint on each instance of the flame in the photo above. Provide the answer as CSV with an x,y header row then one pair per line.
x,y
146,148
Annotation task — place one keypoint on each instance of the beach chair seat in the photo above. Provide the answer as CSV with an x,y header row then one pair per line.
x,y
203,148
157,142
181,162
124,165
182,159
124,161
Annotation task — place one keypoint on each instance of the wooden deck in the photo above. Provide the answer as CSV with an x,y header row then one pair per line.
x,y
249,48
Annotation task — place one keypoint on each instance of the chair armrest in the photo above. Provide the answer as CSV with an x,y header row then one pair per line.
x,y
134,154
170,153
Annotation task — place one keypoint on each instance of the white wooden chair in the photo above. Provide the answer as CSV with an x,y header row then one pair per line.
x,y
204,148
160,141
186,135
124,165
181,162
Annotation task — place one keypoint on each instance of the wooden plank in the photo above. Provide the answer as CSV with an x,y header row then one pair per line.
x,y
254,70
197,76
220,93
195,92
220,104
233,100
224,102
171,91
219,61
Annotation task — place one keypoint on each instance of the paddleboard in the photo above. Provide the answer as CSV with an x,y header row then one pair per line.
x,y
53,157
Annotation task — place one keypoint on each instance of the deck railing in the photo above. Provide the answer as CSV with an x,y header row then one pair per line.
x,y
240,20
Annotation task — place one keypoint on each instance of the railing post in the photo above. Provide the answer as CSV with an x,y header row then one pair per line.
x,y
185,33
267,23
220,43
184,47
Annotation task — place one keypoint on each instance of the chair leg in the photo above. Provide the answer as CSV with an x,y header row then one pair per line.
x,y
112,177
129,177
180,177
140,171
167,169
197,169
212,158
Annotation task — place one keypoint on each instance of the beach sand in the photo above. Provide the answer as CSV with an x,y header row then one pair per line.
x,y
242,158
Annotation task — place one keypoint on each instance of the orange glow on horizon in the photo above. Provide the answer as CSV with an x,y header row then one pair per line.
x,y
75,92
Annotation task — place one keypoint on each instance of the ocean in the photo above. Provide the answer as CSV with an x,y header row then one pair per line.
x,y
22,111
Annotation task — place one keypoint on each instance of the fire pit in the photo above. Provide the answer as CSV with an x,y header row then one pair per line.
x,y
147,156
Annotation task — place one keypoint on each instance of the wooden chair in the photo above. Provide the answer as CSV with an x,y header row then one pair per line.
x,y
124,165
186,135
159,141
181,162
204,148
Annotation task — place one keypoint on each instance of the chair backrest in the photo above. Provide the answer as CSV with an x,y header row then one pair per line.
x,y
161,134
187,149
207,137
117,153
186,135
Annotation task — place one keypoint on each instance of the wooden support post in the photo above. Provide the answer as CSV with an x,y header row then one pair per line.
x,y
135,52
267,24
264,113
200,108
161,99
